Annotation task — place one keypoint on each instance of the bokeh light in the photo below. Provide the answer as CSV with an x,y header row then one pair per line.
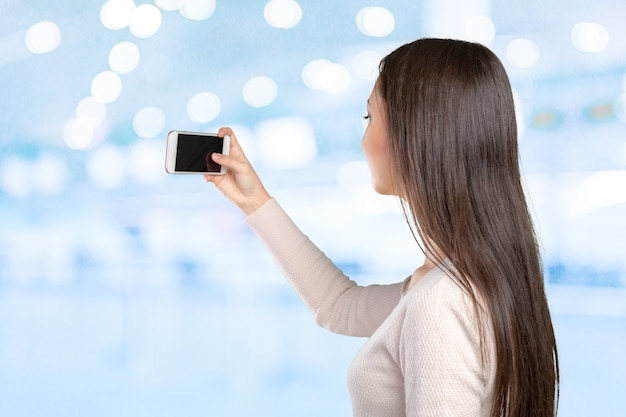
x,y
106,167
78,134
355,178
368,202
15,177
168,5
598,190
106,87
621,105
203,107
375,21
590,37
323,75
123,276
145,21
246,140
116,14
519,114
522,53
149,122
286,143
354,174
145,162
43,37
260,91
365,64
91,112
124,57
480,29
197,9
50,174
282,14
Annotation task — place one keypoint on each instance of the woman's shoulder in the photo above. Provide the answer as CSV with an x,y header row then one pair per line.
x,y
438,294
438,281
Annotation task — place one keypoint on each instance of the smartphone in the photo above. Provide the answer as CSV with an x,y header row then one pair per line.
x,y
190,153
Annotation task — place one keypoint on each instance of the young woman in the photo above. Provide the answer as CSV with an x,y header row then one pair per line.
x,y
469,333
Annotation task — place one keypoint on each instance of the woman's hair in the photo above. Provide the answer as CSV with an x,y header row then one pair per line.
x,y
453,143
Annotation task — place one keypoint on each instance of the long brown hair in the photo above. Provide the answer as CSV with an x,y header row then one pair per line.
x,y
453,144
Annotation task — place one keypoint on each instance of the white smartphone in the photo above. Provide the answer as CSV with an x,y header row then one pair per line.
x,y
190,153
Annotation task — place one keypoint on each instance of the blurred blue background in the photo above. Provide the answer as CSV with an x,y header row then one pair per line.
x,y
126,292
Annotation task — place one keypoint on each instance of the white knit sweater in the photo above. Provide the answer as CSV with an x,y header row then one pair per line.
x,y
423,356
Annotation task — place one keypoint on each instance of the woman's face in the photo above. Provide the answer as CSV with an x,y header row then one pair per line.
x,y
376,145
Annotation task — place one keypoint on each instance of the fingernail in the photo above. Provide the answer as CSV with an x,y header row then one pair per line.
x,y
216,156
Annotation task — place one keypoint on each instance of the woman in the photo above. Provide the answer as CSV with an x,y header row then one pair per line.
x,y
469,333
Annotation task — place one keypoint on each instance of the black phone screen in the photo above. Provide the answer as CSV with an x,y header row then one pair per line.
x,y
193,153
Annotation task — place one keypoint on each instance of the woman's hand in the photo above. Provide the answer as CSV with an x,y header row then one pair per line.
x,y
240,184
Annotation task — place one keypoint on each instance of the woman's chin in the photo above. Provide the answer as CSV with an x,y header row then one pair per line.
x,y
382,189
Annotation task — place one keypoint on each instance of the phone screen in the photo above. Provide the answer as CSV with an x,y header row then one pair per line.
x,y
193,153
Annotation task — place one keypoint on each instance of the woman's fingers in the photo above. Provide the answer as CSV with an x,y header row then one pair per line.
x,y
240,184
235,161
235,149
230,162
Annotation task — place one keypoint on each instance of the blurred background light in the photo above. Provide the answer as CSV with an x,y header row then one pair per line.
x,y
323,75
480,29
43,37
596,191
50,174
601,111
116,277
367,202
547,119
124,57
519,114
106,87
375,21
78,134
149,122
145,162
590,37
168,5
145,21
260,91
91,111
203,107
621,101
15,177
355,178
197,9
282,14
286,143
106,167
522,53
246,139
116,14
365,64
354,174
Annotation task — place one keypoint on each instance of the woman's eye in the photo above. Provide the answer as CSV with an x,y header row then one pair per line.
x,y
366,117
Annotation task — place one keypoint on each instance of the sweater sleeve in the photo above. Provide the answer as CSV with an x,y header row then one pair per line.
x,y
337,302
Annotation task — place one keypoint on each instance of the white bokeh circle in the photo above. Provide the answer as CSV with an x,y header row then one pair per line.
x,y
260,91
42,37
149,122
203,107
